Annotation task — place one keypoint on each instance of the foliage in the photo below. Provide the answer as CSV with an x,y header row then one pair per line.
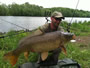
x,y
27,9
4,10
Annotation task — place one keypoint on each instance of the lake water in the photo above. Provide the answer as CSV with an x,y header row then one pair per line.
x,y
27,22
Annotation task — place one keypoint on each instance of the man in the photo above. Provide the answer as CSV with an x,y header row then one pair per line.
x,y
56,18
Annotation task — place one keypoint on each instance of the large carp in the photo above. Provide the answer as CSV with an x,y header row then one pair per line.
x,y
41,44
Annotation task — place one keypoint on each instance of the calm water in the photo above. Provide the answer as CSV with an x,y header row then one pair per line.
x,y
26,22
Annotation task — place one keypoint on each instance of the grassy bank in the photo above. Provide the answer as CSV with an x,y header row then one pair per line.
x,y
79,28
77,51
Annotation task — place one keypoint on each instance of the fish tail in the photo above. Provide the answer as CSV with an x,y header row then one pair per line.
x,y
11,57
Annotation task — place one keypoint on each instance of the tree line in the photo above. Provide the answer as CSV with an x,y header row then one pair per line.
x,y
27,9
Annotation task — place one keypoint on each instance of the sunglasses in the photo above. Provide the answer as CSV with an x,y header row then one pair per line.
x,y
58,19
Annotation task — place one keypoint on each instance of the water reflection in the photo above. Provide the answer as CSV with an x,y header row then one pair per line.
x,y
26,22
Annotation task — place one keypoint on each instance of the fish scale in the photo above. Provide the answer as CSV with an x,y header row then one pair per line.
x,y
40,43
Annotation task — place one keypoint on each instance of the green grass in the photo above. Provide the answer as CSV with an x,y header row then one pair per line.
x,y
75,51
79,28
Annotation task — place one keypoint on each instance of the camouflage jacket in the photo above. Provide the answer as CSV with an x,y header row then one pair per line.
x,y
45,29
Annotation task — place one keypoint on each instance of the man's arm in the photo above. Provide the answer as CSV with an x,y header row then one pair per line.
x,y
61,28
40,30
36,33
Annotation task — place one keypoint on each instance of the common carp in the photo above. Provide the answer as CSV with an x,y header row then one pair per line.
x,y
41,44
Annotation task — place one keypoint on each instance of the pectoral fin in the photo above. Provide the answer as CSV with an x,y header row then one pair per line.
x,y
63,49
26,54
44,55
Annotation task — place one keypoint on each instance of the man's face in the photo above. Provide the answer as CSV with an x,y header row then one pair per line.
x,y
56,21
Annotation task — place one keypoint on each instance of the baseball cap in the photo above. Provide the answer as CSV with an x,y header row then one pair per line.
x,y
57,14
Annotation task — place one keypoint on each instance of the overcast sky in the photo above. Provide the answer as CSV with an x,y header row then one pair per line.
x,y
83,4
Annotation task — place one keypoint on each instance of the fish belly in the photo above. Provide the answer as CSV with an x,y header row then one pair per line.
x,y
46,46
